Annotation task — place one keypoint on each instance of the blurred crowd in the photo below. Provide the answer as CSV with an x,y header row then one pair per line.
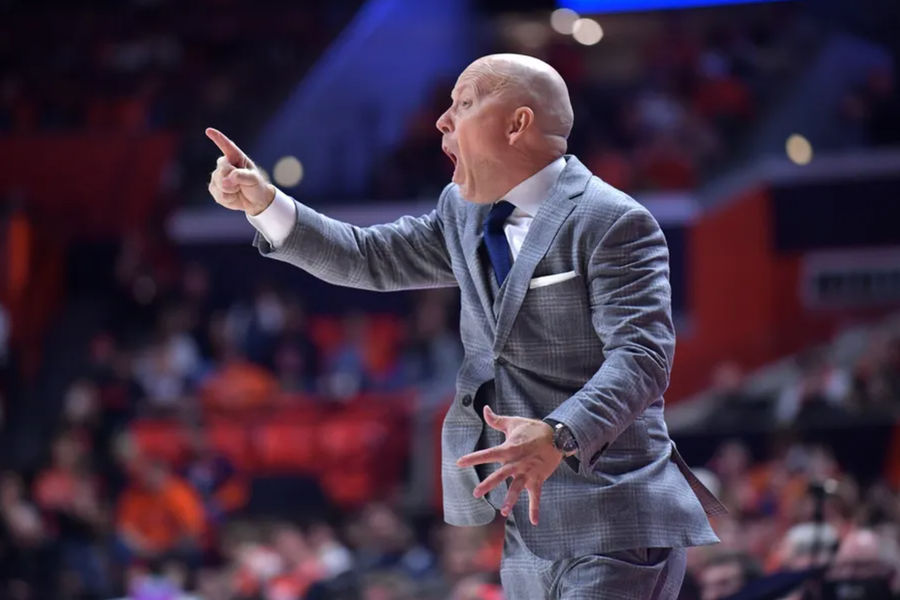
x,y
102,516
853,379
670,103
798,512
105,511
146,65
662,106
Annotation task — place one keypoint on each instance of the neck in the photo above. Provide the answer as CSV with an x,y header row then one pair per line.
x,y
528,166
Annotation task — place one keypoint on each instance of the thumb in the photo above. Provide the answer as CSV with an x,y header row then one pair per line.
x,y
494,420
243,178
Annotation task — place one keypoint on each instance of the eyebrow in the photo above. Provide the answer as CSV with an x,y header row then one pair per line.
x,y
456,91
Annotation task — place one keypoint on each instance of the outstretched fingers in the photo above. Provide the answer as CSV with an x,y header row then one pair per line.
x,y
499,453
534,502
493,480
512,496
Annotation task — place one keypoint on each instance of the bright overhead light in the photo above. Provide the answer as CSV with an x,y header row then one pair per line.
x,y
288,171
587,32
798,149
562,20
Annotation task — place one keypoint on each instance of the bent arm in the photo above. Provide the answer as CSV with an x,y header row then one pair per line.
x,y
631,312
406,254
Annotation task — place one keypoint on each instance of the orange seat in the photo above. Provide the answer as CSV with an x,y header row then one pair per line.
x,y
161,439
344,439
286,445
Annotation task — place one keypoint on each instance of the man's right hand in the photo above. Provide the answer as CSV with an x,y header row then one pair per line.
x,y
236,183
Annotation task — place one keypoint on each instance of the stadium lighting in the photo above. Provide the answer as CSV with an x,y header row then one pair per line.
x,y
587,32
798,149
288,171
562,20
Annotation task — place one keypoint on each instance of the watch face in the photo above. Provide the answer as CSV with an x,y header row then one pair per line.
x,y
564,440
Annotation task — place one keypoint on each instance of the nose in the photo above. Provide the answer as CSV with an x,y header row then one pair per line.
x,y
444,123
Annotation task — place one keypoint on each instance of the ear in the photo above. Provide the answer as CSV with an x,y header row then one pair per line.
x,y
523,118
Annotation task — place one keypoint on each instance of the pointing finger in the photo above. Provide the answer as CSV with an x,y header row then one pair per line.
x,y
234,154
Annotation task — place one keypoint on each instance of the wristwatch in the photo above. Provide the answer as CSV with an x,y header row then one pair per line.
x,y
563,438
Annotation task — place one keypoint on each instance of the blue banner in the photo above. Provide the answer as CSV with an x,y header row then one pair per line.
x,y
608,6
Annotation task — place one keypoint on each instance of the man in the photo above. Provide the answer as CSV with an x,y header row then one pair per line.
x,y
865,566
566,325
726,574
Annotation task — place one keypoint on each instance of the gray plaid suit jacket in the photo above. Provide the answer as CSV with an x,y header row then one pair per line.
x,y
593,351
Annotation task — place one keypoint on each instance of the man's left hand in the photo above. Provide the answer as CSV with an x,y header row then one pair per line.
x,y
528,456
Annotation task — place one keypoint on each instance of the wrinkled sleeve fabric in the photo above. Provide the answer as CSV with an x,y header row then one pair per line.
x,y
409,253
628,280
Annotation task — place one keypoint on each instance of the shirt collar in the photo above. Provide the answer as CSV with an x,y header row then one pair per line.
x,y
528,195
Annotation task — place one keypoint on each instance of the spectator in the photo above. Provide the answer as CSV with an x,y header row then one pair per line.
x,y
433,353
727,573
296,358
333,556
866,566
345,372
383,541
214,477
807,545
27,557
68,493
238,385
159,516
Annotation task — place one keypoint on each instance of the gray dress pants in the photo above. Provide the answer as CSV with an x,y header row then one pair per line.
x,y
639,574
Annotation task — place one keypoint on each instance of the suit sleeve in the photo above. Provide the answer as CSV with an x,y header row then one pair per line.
x,y
409,253
628,279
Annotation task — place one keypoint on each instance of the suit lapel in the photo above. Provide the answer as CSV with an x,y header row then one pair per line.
x,y
549,218
472,239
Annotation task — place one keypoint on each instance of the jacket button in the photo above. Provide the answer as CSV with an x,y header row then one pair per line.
x,y
467,400
501,361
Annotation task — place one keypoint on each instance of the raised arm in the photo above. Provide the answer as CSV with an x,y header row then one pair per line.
x,y
408,253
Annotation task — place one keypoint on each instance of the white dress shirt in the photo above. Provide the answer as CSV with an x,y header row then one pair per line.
x,y
277,220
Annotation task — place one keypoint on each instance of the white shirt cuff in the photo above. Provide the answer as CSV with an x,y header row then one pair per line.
x,y
277,220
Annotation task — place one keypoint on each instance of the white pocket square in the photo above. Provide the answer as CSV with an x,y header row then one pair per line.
x,y
551,279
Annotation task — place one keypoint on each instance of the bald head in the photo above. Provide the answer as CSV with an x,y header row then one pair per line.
x,y
510,117
526,81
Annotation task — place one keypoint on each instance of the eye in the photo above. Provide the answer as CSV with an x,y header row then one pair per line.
x,y
466,103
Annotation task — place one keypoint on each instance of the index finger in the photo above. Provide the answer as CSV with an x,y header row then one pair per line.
x,y
495,454
232,153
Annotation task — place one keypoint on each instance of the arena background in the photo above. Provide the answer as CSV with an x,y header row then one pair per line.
x,y
182,418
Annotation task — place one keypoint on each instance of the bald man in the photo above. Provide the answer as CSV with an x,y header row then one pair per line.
x,y
567,329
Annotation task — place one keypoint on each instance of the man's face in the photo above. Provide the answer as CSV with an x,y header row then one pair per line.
x,y
719,581
474,137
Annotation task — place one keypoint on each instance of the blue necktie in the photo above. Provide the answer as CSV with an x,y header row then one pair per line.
x,y
495,239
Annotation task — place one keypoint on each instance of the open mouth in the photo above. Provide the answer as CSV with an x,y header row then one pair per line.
x,y
450,155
